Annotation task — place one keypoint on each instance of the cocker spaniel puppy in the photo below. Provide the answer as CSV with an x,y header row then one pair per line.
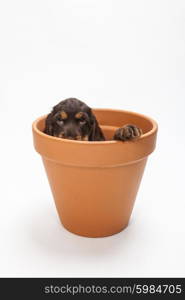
x,y
73,119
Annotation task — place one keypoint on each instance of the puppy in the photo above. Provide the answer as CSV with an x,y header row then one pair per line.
x,y
73,119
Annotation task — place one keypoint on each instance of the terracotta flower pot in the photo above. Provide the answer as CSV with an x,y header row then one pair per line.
x,y
94,184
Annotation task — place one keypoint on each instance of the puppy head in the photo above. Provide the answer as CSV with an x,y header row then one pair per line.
x,y
73,119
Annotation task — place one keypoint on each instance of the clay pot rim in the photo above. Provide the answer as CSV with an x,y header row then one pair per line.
x,y
149,133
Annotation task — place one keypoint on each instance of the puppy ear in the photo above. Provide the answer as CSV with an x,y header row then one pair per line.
x,y
48,124
96,132
49,119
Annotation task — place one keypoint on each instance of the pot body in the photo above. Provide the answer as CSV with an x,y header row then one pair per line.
x,y
94,201
94,184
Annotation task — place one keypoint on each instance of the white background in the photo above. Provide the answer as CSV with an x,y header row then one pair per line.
x,y
109,53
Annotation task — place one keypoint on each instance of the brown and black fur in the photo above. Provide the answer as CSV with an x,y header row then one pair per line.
x,y
73,119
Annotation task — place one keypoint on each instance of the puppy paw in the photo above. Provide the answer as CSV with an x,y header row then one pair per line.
x,y
127,133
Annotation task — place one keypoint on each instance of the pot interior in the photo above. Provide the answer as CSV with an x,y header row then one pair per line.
x,y
110,120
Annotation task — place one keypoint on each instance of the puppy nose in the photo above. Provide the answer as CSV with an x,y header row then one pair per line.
x,y
70,133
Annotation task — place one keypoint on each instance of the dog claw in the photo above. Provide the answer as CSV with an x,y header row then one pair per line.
x,y
127,133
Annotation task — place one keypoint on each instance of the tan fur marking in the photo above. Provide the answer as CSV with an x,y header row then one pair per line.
x,y
63,115
79,115
85,138
78,138
61,135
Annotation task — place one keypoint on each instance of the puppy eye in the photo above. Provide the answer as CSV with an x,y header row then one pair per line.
x,y
82,121
60,121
